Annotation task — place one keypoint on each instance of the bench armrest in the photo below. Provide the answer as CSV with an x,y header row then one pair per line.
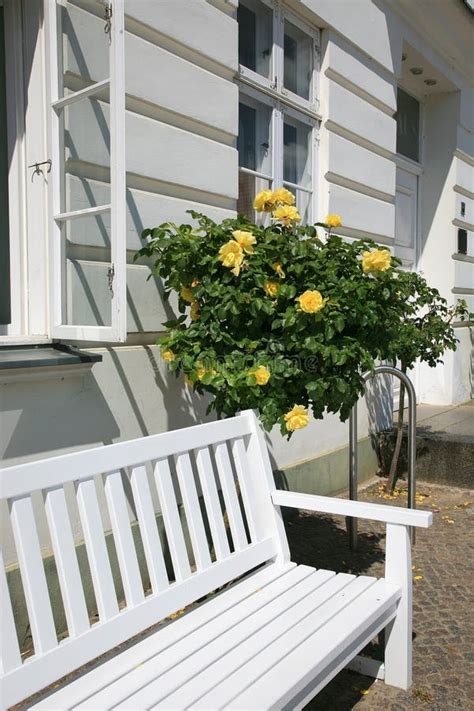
x,y
357,509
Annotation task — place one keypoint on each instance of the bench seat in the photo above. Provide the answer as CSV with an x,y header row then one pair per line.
x,y
270,640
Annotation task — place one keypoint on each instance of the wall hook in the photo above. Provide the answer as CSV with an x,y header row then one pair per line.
x,y
37,169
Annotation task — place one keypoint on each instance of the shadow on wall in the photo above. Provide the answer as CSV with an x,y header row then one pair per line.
x,y
55,415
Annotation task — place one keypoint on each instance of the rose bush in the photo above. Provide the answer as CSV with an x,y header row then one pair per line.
x,y
278,319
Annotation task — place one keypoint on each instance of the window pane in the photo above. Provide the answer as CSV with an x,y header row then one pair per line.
x,y
298,62
87,261
255,36
5,310
297,152
303,203
249,186
254,136
408,125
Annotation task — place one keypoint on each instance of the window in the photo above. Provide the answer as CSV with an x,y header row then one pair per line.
x,y
278,111
408,125
87,230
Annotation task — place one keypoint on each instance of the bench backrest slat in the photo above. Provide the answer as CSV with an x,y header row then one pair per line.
x,y
173,528
94,538
110,497
211,500
62,540
226,479
32,573
148,530
10,649
192,509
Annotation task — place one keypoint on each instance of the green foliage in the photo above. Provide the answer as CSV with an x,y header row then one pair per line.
x,y
314,359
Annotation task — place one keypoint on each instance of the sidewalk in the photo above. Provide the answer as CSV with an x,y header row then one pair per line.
x,y
443,649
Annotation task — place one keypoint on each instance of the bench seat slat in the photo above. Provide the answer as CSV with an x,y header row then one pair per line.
x,y
296,659
232,505
123,538
10,657
211,500
172,521
167,670
96,547
103,676
148,529
66,561
193,511
32,575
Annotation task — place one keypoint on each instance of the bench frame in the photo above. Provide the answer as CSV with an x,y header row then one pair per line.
x,y
241,439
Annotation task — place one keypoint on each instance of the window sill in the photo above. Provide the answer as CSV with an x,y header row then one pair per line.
x,y
36,362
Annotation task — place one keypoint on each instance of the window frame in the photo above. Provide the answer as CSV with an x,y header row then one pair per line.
x,y
284,102
117,331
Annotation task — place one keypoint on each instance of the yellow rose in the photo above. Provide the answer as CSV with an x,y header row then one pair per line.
x,y
311,302
286,214
333,220
194,313
297,418
186,294
231,256
201,371
264,201
279,270
282,196
245,239
168,355
271,288
195,282
262,375
376,261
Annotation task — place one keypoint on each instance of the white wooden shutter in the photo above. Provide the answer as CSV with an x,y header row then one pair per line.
x,y
87,180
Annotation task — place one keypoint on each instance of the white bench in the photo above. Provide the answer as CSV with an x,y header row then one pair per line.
x,y
271,639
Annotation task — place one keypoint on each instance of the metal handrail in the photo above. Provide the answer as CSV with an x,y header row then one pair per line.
x,y
353,467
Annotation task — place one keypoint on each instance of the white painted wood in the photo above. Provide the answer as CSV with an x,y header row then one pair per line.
x,y
173,527
270,516
66,562
76,96
87,212
33,576
115,669
192,509
360,509
242,467
367,666
73,653
149,529
123,538
314,643
96,547
229,492
398,635
9,652
211,500
179,664
75,466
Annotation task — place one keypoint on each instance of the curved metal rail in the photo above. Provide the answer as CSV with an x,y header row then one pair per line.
x,y
353,466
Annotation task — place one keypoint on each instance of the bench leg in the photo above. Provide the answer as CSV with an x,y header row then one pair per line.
x,y
398,634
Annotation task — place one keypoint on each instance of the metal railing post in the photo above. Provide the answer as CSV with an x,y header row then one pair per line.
x,y
411,473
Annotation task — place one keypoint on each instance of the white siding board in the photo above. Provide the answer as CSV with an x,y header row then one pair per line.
x,y
464,175
196,25
360,165
342,58
468,208
154,75
356,115
362,212
463,275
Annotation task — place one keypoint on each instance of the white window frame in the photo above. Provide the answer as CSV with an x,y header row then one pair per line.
x,y
117,207
284,102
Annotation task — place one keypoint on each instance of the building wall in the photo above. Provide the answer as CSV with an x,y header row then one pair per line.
x,y
182,117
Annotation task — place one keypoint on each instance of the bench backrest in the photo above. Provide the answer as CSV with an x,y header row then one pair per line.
x,y
244,530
